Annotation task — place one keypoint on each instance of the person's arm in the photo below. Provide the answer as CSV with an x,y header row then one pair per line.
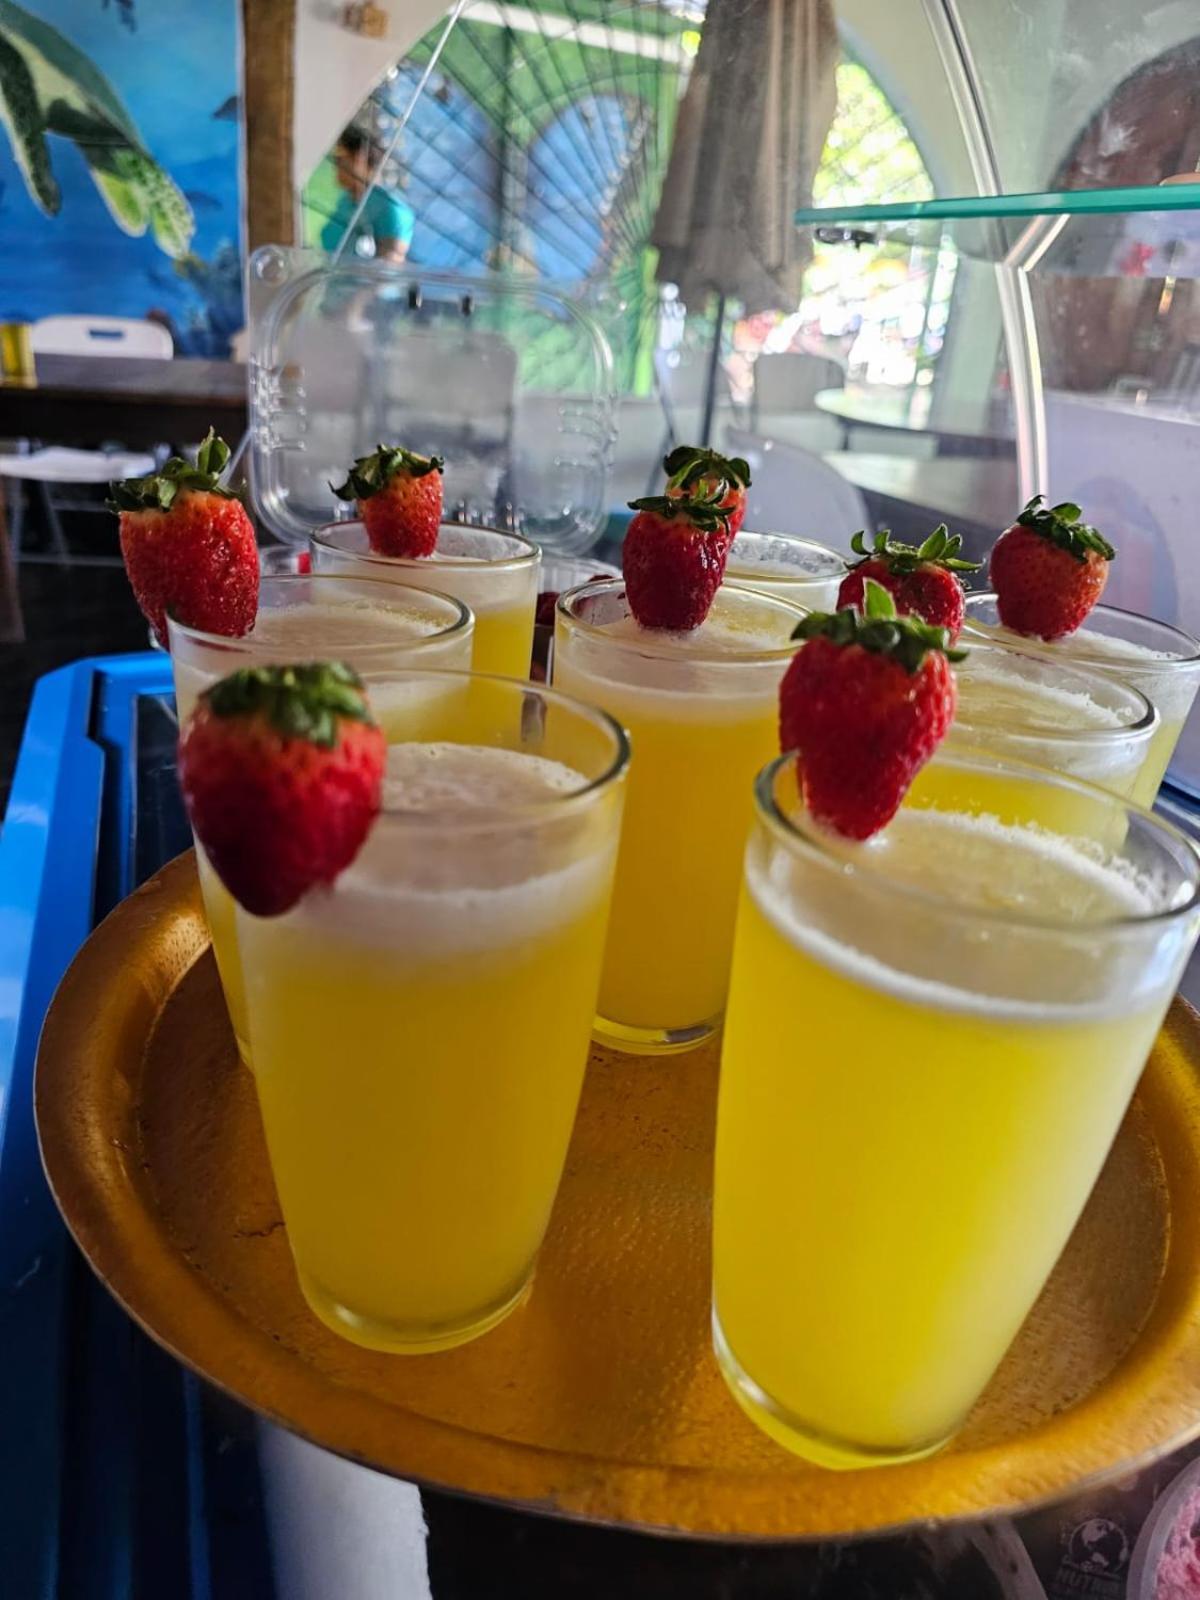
x,y
392,226
391,249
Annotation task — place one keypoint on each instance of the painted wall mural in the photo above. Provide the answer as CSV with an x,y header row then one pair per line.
x,y
119,164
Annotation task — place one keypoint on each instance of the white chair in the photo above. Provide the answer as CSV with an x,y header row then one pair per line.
x,y
788,382
794,491
781,406
682,380
101,336
55,464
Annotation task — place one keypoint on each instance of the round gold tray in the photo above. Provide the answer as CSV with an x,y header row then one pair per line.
x,y
599,1398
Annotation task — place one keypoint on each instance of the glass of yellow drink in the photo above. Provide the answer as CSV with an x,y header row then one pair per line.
x,y
420,1029
800,570
701,710
373,626
495,574
1070,719
931,1040
1162,661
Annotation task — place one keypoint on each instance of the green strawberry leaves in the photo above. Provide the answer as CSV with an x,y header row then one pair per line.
x,y
880,628
1064,527
371,474
302,702
939,550
689,464
159,490
702,511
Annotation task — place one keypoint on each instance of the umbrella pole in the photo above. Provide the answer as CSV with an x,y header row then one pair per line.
x,y
714,361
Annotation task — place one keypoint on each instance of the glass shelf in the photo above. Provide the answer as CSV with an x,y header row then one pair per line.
x,y
1144,232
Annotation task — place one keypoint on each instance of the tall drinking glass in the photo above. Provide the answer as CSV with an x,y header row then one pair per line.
x,y
800,570
1070,719
931,1040
702,711
1162,661
373,626
495,574
420,1029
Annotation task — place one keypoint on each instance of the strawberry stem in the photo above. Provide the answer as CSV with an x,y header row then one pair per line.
x,y
689,464
702,511
300,702
1063,526
939,550
370,475
878,627
158,491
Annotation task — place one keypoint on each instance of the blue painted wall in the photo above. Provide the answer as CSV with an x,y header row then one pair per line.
x,y
172,66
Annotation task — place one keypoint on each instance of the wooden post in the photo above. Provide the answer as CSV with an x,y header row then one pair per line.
x,y
268,93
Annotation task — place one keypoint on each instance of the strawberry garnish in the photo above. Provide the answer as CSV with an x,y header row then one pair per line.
x,y
865,702
188,545
1048,570
695,471
398,495
674,558
921,579
281,770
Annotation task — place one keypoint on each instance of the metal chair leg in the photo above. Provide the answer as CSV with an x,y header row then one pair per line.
x,y
14,495
58,539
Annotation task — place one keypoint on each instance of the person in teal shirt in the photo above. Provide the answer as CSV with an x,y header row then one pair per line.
x,y
386,220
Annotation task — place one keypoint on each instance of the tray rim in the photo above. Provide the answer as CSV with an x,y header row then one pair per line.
x,y
189,1320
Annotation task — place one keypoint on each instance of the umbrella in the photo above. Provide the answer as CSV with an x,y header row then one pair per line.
x,y
749,135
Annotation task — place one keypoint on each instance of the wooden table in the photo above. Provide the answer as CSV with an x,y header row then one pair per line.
x,y
90,400
975,497
902,411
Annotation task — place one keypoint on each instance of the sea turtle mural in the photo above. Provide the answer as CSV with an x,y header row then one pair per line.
x,y
48,86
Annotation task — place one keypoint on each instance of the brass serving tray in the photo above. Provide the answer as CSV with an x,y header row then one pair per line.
x,y
599,1398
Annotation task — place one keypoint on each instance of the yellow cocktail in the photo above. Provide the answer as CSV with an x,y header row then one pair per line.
x,y
701,710
494,574
1018,705
373,626
930,1043
799,570
420,1030
1161,661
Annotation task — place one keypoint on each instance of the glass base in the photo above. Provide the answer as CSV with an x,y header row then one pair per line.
x,y
822,1449
405,1339
652,1041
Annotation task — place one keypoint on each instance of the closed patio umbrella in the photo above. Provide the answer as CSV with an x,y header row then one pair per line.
x,y
749,135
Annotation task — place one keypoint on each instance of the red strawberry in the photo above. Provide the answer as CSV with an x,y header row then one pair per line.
x,y
1048,570
188,545
866,701
674,559
695,471
399,498
281,770
922,580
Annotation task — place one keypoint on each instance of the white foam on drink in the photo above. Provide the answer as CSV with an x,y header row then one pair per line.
x,y
727,669
438,892
314,631
765,557
439,779
983,865
1167,680
991,690
1087,643
722,634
